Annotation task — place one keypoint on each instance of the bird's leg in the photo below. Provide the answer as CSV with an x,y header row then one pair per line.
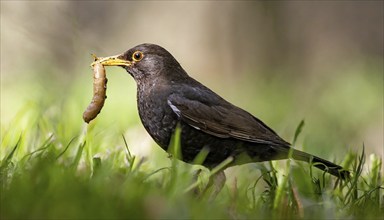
x,y
196,189
217,179
215,185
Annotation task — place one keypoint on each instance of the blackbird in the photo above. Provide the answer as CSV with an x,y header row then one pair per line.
x,y
168,96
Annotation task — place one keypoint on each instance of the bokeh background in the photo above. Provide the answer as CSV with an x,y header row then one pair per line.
x,y
283,61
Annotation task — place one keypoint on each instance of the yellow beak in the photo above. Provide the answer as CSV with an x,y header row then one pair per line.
x,y
111,61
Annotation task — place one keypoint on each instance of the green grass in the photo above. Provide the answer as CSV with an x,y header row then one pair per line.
x,y
44,175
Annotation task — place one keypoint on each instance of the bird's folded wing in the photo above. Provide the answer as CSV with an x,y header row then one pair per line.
x,y
223,120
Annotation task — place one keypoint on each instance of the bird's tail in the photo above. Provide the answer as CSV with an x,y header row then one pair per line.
x,y
320,163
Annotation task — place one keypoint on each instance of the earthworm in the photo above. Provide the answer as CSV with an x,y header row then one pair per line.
x,y
99,93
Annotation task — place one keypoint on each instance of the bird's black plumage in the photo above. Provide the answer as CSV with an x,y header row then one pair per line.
x,y
166,96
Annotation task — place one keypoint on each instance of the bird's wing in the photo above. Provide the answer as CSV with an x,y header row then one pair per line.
x,y
222,119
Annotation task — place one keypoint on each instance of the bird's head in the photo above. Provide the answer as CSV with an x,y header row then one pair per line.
x,y
146,61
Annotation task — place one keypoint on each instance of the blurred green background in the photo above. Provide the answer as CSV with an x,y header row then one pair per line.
x,y
281,61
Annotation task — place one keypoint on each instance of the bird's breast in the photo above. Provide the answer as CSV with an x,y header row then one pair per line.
x,y
157,117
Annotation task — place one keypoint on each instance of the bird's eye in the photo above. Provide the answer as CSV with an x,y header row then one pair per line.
x,y
137,56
